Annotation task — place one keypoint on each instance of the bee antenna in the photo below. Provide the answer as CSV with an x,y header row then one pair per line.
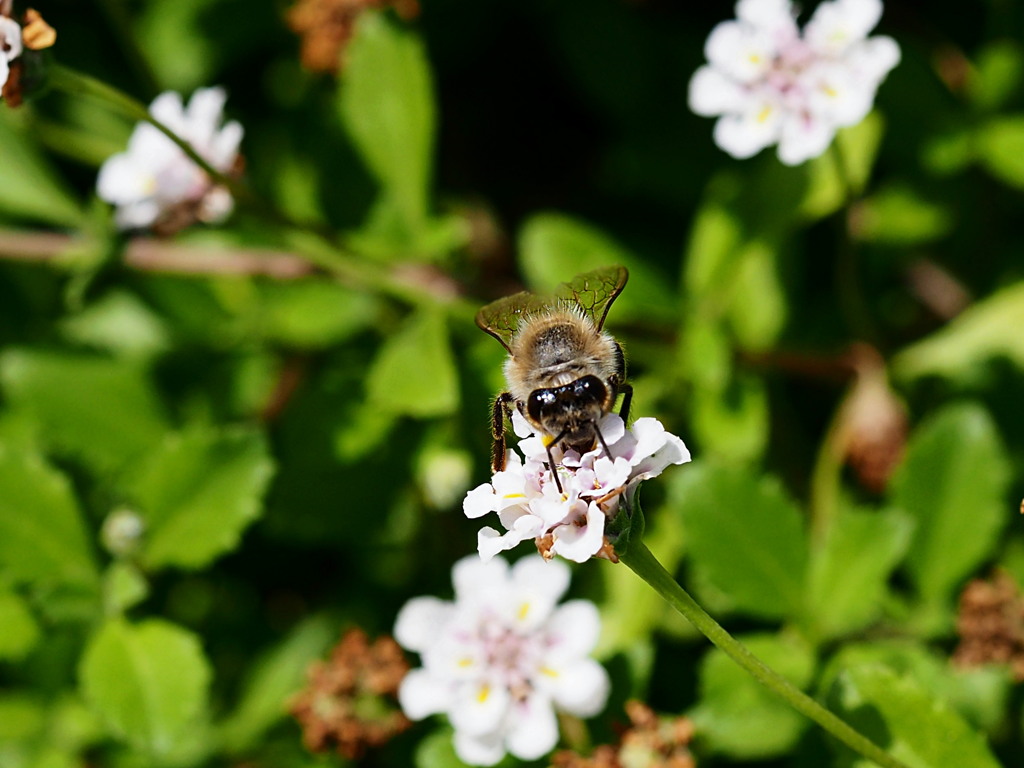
x,y
600,438
551,460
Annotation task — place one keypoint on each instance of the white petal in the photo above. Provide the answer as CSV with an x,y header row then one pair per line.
x,y
745,135
480,501
838,24
580,543
223,149
121,180
168,109
714,93
421,695
138,214
489,542
486,749
535,574
479,708
472,577
534,729
768,15
873,59
580,688
216,205
804,138
674,451
5,71
10,36
740,52
520,425
420,621
572,631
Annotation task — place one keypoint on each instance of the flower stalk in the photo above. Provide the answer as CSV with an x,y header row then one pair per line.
x,y
643,563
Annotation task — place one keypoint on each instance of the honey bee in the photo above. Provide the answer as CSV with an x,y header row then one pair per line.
x,y
563,371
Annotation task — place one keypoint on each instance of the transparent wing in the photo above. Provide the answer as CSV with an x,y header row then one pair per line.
x,y
594,291
502,318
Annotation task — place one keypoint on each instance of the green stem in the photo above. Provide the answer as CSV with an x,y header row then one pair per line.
x,y
640,560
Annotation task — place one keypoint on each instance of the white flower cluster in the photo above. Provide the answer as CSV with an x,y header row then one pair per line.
x,y
570,522
771,84
10,46
501,658
154,181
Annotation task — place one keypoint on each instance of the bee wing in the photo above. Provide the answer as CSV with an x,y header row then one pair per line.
x,y
503,317
593,292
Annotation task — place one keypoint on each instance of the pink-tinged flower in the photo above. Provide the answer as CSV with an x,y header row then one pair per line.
x,y
502,658
768,83
570,521
154,183
10,46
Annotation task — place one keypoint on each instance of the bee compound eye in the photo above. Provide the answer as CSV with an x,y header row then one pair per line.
x,y
539,401
590,388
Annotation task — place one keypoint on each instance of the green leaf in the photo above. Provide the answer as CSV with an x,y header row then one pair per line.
x,y
414,372
899,215
899,715
730,418
124,587
997,74
314,313
20,629
952,483
437,750
174,39
985,330
43,539
386,104
121,324
746,537
197,492
272,680
737,715
1000,147
757,303
99,409
147,681
554,248
29,189
849,575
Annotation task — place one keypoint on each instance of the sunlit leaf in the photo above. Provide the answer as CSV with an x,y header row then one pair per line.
x,y
147,681
901,216
907,720
747,538
737,715
952,483
848,575
99,409
20,629
29,189
983,331
197,492
414,373
1001,149
386,103
43,538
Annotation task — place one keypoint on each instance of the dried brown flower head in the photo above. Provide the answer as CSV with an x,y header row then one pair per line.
x,y
326,26
990,624
349,701
873,421
649,742
36,35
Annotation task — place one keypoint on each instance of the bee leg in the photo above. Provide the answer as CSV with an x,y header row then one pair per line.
x,y
627,399
502,409
600,439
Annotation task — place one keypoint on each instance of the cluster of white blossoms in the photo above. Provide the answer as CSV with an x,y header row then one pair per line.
x,y
155,181
10,46
771,84
570,521
502,657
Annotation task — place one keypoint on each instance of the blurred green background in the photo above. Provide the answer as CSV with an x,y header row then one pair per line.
x,y
841,345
